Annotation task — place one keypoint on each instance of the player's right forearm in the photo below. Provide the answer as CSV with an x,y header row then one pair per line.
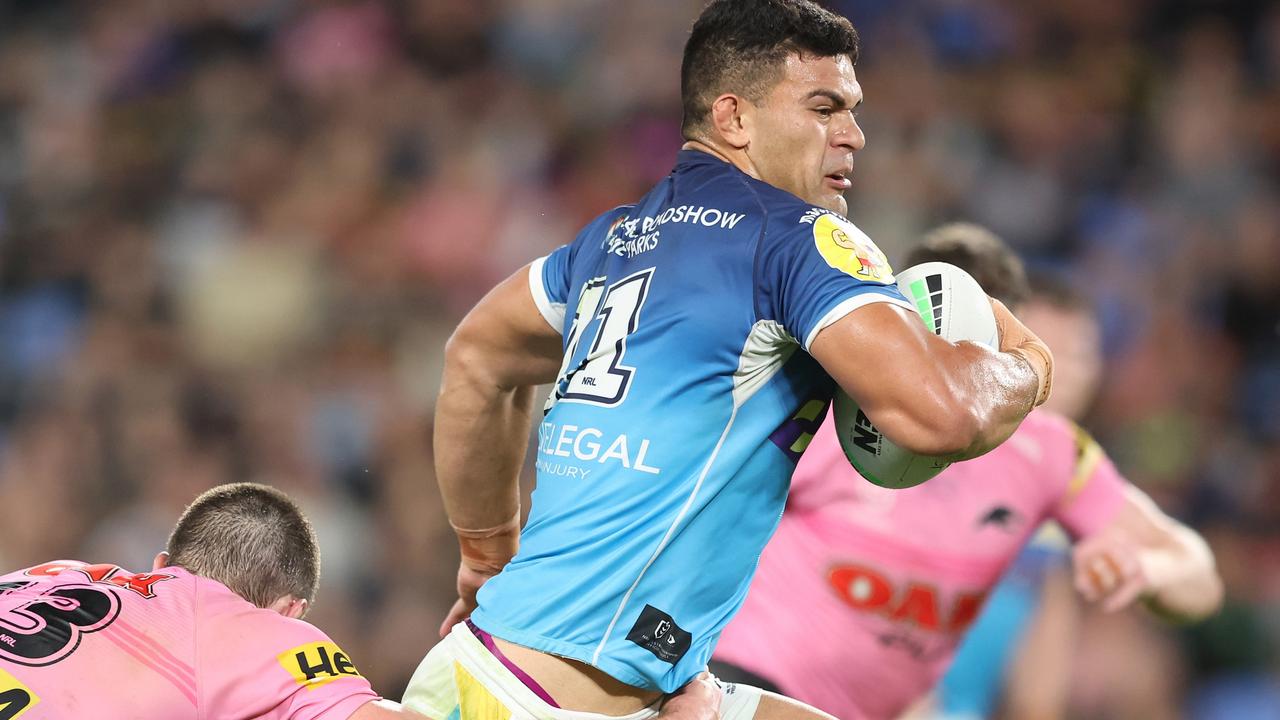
x,y
502,349
929,396
480,438
1000,391
1184,585
1003,387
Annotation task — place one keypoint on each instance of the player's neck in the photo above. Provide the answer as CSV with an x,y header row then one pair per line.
x,y
736,157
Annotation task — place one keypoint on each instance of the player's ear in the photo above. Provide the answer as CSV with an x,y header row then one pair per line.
x,y
161,561
290,606
728,121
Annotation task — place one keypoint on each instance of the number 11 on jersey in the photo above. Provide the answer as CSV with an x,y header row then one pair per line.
x,y
601,378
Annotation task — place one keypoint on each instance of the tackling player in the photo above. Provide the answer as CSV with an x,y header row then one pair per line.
x,y
692,338
214,630
864,593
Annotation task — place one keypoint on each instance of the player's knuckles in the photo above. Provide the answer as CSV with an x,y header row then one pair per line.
x,y
1085,562
1085,585
1124,596
1108,562
1122,561
1099,579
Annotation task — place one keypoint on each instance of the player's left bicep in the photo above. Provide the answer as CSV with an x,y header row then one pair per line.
x,y
506,338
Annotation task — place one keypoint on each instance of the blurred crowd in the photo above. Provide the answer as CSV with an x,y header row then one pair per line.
x,y
234,235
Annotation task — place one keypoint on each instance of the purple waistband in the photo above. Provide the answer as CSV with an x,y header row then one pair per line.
x,y
521,675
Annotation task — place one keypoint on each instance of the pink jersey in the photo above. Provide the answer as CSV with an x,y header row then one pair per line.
x,y
864,593
96,641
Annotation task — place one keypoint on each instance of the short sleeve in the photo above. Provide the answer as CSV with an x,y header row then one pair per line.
x,y
549,284
258,663
819,269
1095,492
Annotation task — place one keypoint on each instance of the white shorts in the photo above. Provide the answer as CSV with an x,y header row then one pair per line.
x,y
461,680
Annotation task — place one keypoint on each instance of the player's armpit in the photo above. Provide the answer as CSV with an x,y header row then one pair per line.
x,y
1146,554
930,396
386,710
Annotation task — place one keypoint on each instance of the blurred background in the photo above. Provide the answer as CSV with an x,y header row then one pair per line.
x,y
235,234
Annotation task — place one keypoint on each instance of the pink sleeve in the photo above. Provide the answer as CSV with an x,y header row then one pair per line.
x,y
257,663
1095,492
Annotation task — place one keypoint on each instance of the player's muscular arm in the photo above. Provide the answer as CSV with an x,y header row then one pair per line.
x,y
928,395
500,351
1146,554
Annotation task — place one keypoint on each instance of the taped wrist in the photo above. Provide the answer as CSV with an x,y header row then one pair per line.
x,y
1037,356
487,550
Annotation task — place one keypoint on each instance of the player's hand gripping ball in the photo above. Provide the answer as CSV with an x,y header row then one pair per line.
x,y
953,306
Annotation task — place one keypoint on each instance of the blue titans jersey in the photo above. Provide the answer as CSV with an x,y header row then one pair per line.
x,y
683,403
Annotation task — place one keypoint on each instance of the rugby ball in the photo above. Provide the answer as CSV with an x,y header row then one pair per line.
x,y
952,305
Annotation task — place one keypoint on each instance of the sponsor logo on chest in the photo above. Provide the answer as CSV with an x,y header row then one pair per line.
x,y
920,604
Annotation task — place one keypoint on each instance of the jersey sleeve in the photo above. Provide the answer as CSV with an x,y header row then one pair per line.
x,y
257,663
549,284
551,277
814,271
1095,491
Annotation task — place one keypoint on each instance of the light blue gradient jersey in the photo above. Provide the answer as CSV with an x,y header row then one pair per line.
x,y
684,400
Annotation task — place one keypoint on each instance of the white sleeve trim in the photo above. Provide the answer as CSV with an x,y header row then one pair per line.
x,y
552,312
849,305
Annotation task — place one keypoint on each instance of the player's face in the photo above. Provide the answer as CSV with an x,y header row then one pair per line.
x,y
1076,342
803,133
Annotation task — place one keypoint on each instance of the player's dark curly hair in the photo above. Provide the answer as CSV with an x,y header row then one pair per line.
x,y
739,46
979,252
251,538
